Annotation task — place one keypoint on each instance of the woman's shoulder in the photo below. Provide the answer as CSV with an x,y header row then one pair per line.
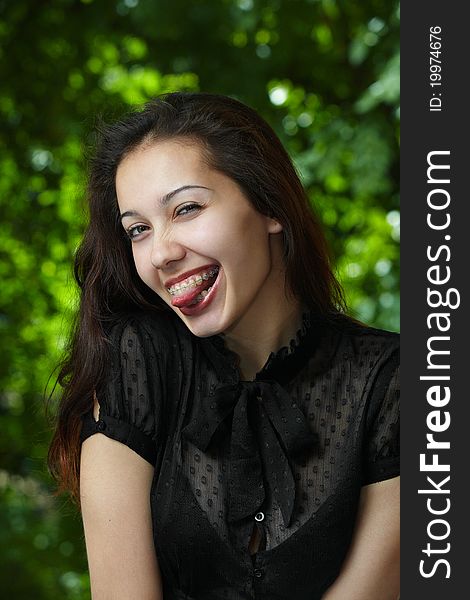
x,y
356,341
157,330
353,329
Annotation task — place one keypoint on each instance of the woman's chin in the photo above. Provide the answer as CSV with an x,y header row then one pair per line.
x,y
203,325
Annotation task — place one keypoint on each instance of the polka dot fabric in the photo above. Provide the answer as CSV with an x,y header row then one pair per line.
x,y
256,483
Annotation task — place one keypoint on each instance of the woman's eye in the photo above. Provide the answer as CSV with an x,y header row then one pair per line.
x,y
136,230
186,209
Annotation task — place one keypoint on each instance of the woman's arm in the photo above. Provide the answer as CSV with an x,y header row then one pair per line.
x,y
371,570
115,498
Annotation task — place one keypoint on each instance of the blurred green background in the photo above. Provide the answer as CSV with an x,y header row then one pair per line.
x,y
324,73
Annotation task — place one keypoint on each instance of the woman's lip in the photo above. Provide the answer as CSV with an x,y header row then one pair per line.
x,y
200,306
187,274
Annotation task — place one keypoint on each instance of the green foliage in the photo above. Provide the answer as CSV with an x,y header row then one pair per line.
x,y
324,73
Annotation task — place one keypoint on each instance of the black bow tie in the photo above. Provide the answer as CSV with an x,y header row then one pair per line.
x,y
268,430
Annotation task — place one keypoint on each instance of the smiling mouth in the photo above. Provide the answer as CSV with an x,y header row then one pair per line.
x,y
194,289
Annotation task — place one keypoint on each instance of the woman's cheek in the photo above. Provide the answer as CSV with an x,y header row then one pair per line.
x,y
143,266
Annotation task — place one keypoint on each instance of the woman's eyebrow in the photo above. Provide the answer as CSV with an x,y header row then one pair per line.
x,y
164,200
167,197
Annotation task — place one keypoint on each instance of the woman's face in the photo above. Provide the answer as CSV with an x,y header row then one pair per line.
x,y
196,239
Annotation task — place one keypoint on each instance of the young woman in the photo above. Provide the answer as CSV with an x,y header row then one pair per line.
x,y
229,431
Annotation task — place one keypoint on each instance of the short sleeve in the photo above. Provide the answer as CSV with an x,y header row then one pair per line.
x,y
130,399
382,444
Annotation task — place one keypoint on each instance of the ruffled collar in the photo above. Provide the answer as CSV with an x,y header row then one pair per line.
x,y
284,364
280,366
276,361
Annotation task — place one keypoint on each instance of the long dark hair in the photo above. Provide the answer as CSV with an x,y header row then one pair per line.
x,y
235,141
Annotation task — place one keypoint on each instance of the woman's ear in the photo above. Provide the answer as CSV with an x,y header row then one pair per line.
x,y
273,225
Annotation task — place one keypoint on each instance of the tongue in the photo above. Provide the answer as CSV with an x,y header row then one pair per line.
x,y
190,295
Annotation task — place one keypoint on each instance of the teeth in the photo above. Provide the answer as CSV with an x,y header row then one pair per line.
x,y
193,282
201,296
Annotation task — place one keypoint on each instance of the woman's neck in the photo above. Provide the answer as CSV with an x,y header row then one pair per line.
x,y
272,330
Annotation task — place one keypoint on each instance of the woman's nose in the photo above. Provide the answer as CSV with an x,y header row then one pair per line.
x,y
165,251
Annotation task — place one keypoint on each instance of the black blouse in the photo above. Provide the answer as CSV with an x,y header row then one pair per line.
x,y
285,454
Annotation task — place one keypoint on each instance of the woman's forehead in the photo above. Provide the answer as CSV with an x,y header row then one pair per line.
x,y
161,167
160,154
150,175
